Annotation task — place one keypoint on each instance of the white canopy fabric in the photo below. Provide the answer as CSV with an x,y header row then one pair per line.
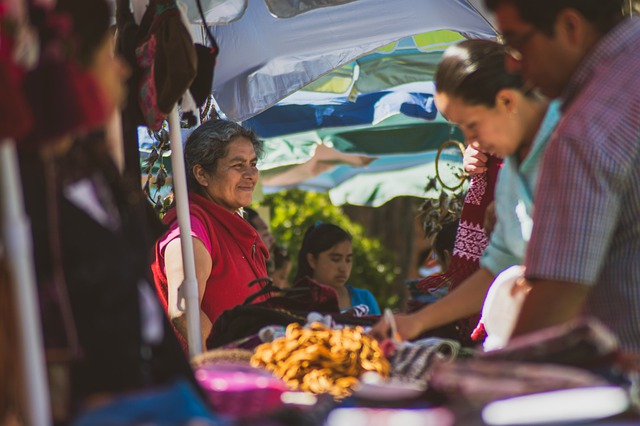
x,y
263,59
216,12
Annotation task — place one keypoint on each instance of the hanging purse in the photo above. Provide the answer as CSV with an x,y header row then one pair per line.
x,y
201,86
148,94
175,61
168,59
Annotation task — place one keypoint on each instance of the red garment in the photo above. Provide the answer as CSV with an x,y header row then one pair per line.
x,y
471,238
238,257
15,116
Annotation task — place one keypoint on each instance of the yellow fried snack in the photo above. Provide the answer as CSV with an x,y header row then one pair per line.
x,y
321,360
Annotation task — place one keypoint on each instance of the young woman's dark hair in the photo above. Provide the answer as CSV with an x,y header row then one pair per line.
x,y
318,238
474,71
542,14
445,240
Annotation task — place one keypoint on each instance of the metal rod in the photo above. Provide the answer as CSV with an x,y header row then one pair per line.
x,y
189,287
19,251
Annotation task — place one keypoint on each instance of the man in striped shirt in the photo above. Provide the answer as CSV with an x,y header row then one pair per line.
x,y
584,253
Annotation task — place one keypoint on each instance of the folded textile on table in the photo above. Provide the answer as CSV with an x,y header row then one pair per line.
x,y
584,342
478,381
222,356
413,360
177,404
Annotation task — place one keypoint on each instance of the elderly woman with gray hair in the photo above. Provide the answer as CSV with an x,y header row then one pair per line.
x,y
220,159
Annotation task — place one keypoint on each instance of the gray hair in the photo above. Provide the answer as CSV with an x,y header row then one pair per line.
x,y
210,142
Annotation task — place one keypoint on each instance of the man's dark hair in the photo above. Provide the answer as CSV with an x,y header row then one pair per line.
x,y
542,14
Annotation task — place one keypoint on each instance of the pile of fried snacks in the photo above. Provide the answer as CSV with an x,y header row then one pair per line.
x,y
321,360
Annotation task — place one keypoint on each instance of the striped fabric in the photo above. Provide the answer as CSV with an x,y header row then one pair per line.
x,y
587,215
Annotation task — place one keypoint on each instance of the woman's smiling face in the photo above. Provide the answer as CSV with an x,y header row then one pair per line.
x,y
231,185
332,267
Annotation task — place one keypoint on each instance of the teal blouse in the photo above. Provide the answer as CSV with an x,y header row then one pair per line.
x,y
361,296
514,192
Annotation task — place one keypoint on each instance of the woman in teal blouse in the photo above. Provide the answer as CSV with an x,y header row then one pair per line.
x,y
499,115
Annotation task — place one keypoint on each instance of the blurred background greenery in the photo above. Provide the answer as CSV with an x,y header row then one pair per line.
x,y
293,211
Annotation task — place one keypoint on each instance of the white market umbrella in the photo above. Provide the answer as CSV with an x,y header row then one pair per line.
x,y
263,59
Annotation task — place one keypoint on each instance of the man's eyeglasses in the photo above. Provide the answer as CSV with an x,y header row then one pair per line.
x,y
513,45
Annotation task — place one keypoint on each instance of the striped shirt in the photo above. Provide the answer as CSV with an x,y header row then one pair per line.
x,y
587,216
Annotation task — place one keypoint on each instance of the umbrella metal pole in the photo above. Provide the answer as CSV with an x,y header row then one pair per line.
x,y
19,252
189,287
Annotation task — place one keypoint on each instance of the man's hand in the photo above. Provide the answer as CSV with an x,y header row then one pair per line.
x,y
550,303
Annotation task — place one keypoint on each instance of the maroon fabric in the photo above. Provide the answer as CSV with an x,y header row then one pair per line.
x,y
238,327
471,239
64,99
583,342
237,253
15,116
317,297
148,96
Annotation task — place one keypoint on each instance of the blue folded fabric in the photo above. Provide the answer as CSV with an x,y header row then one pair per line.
x,y
175,405
419,296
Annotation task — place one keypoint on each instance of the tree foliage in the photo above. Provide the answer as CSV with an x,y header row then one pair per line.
x,y
293,211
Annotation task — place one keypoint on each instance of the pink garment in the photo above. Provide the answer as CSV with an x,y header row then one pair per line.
x,y
198,230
